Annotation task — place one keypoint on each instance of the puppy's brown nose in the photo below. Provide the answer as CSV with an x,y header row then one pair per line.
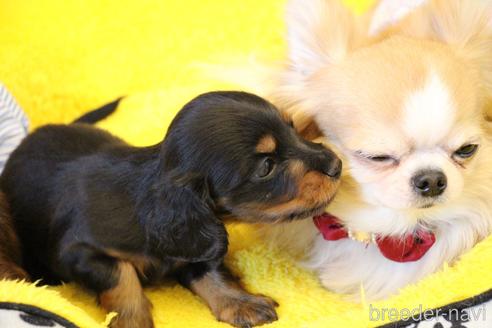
x,y
333,168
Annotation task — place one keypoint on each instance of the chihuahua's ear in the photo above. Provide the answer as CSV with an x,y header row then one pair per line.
x,y
388,13
465,25
321,32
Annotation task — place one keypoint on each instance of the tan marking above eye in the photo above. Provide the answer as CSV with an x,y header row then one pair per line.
x,y
266,144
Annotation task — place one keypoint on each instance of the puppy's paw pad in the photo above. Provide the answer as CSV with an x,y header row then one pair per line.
x,y
248,311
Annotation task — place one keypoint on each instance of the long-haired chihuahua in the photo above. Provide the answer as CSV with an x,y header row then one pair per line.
x,y
408,107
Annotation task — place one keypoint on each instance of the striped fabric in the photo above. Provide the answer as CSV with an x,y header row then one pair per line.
x,y
13,125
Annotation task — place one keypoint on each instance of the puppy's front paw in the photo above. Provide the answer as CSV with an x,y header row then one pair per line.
x,y
142,320
12,272
246,311
136,315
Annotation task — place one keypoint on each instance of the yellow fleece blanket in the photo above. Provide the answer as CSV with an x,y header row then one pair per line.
x,y
60,58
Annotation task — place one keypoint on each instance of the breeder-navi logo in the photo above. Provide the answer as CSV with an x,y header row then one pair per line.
x,y
418,314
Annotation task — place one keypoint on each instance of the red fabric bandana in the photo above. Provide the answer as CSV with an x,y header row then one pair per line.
x,y
407,249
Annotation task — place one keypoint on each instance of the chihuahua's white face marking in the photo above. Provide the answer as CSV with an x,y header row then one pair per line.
x,y
428,113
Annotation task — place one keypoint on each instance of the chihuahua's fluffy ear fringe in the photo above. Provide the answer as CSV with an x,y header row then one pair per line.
x,y
319,33
465,25
322,32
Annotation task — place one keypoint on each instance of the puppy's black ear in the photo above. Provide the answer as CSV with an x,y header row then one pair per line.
x,y
190,231
197,184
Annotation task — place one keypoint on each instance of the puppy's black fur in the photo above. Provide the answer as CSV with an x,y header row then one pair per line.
x,y
92,209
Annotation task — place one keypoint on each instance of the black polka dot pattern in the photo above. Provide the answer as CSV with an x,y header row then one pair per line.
x,y
36,320
31,316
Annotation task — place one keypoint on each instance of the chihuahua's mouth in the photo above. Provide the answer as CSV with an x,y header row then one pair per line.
x,y
431,203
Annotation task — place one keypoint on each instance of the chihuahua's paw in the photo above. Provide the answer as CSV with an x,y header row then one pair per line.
x,y
246,311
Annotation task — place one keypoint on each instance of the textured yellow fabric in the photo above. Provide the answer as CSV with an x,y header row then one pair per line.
x,y
60,58
20,292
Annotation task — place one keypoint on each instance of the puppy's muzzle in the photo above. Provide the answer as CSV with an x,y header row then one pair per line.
x,y
324,161
332,167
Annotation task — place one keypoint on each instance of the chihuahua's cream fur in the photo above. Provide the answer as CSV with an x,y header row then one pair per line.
x,y
395,101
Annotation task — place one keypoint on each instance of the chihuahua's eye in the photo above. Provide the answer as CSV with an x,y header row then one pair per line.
x,y
381,158
265,168
291,123
466,151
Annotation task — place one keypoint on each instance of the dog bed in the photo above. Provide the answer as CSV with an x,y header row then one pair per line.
x,y
61,58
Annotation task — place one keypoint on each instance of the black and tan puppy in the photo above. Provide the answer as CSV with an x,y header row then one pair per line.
x,y
92,209
10,253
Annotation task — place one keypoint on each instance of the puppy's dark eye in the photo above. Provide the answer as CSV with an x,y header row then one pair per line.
x,y
265,168
291,123
466,151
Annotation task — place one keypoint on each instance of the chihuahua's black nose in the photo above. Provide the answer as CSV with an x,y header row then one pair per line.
x,y
429,183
